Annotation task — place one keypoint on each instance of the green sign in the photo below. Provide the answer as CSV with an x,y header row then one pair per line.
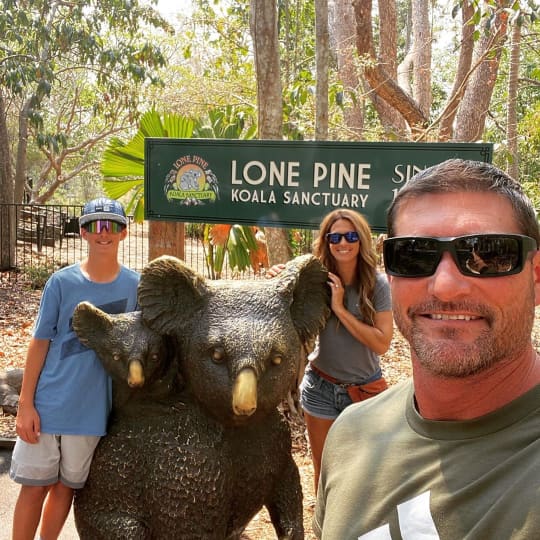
x,y
283,183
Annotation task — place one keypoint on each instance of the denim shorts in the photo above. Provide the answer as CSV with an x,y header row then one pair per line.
x,y
321,398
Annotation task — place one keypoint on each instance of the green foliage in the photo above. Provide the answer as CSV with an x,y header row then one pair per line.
x,y
234,243
38,275
123,162
226,123
98,54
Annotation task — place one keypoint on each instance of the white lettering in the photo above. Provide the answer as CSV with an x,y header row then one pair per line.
x,y
325,198
380,533
319,173
342,175
405,175
261,173
234,180
274,173
253,196
415,521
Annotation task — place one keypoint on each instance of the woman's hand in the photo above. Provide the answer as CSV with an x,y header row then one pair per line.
x,y
274,270
337,290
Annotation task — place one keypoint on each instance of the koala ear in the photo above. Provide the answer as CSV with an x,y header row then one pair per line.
x,y
91,324
169,291
305,280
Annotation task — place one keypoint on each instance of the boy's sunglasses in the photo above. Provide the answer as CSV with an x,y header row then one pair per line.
x,y
335,237
104,224
478,255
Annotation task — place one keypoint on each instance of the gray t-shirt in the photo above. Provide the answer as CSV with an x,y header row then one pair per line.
x,y
387,473
341,355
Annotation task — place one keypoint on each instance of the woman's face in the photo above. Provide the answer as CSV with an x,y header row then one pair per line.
x,y
344,251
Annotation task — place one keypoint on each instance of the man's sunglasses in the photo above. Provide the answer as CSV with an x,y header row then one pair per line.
x,y
99,225
478,255
335,237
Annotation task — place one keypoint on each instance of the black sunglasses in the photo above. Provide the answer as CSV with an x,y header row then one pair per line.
x,y
478,255
335,237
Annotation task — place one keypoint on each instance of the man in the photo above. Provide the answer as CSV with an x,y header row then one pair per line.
x,y
454,453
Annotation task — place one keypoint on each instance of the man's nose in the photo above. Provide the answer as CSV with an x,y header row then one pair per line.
x,y
448,282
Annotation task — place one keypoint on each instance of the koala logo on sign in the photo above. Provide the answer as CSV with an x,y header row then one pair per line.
x,y
190,182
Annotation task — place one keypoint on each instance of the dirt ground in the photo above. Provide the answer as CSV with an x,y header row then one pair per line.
x,y
18,308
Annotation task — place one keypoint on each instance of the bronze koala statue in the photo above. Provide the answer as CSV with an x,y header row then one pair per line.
x,y
204,462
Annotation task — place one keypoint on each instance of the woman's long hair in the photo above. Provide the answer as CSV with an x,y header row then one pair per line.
x,y
366,264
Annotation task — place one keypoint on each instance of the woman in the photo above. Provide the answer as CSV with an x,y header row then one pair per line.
x,y
359,329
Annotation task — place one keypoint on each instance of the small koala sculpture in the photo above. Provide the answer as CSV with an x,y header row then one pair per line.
x,y
134,356
202,467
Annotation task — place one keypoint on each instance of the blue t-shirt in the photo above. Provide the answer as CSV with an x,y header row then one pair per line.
x,y
73,394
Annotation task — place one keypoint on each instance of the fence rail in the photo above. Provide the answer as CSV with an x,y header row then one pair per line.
x,y
47,238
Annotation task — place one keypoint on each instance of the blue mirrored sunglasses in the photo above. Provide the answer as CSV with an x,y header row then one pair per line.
x,y
96,227
335,237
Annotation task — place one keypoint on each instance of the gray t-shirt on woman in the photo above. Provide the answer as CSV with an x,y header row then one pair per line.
x,y
338,353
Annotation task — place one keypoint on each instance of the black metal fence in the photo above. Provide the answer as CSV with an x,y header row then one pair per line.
x,y
47,238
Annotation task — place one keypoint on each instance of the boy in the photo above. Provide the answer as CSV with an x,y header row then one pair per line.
x,y
65,396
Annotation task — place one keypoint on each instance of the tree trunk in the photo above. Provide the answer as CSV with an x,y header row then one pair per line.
x,y
382,83
393,122
446,128
422,55
511,114
8,225
165,238
343,30
322,55
264,33
471,117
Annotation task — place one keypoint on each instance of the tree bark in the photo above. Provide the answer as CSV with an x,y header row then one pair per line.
x,y
8,225
264,32
377,75
446,128
322,55
343,30
511,113
471,117
393,122
422,55
165,238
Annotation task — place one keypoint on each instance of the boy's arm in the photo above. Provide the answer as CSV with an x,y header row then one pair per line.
x,y
28,422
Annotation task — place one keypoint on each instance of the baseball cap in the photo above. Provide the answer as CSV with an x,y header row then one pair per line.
x,y
103,208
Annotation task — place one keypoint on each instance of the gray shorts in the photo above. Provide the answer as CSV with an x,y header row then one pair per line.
x,y
64,458
321,398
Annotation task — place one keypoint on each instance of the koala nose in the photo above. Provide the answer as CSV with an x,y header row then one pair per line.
x,y
136,374
244,397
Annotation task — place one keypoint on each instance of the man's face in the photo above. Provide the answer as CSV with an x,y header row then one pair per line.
x,y
459,325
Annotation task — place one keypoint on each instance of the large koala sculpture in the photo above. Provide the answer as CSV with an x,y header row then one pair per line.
x,y
216,449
